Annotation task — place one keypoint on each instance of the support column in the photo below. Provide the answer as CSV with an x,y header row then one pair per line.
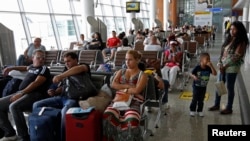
x,y
165,14
248,17
87,10
152,13
245,16
129,17
173,9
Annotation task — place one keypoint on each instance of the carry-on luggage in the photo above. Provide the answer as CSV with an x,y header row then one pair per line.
x,y
83,125
1,133
45,124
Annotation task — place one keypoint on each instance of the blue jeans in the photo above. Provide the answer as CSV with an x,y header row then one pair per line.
x,y
197,102
60,102
229,79
16,109
21,61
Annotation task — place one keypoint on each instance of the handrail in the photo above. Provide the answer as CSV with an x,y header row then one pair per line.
x,y
243,100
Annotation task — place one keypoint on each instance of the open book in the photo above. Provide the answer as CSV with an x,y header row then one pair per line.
x,y
122,100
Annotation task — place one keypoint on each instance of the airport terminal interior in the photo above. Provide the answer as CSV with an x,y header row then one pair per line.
x,y
196,25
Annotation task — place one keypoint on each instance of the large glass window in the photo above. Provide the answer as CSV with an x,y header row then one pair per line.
x,y
61,6
106,2
118,11
9,5
120,25
98,11
40,26
66,30
110,25
116,2
38,18
107,10
77,6
39,6
15,24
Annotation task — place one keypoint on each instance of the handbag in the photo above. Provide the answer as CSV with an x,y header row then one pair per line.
x,y
104,68
80,87
221,88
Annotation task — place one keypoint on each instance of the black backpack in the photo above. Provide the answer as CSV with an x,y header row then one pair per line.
x,y
11,87
3,83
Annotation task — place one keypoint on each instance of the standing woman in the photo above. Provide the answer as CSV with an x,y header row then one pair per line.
x,y
231,59
124,125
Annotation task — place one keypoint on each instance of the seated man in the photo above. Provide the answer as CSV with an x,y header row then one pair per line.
x,y
61,99
153,46
112,44
26,58
31,89
82,43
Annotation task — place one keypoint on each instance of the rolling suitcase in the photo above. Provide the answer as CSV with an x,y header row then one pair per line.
x,y
83,125
1,133
45,124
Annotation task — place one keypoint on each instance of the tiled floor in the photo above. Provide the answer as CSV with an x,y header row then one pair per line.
x,y
177,125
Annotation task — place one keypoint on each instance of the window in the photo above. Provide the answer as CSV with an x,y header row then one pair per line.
x,y
15,24
61,6
66,30
9,5
40,26
110,25
119,25
39,6
118,11
116,2
107,10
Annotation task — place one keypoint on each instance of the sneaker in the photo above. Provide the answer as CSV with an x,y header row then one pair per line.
x,y
192,113
12,138
169,89
214,108
201,114
149,109
226,112
166,106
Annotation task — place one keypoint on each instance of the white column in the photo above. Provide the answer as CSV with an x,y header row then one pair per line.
x,y
87,10
129,17
248,17
165,14
152,12
245,16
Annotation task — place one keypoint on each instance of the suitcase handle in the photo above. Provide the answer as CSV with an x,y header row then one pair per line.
x,y
81,116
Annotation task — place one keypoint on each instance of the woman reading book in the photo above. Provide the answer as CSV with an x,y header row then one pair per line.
x,y
129,81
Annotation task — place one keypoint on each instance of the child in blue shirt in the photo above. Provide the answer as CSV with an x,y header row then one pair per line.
x,y
200,75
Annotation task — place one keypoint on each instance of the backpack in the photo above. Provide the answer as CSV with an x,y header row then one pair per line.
x,y
3,82
11,87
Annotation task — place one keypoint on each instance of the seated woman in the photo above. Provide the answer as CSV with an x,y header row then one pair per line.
x,y
96,42
118,124
172,60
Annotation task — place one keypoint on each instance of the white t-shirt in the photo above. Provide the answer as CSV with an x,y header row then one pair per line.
x,y
152,48
124,48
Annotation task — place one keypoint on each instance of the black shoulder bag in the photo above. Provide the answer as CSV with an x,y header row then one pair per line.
x,y
80,87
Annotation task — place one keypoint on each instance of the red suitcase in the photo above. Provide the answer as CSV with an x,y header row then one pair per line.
x,y
83,125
